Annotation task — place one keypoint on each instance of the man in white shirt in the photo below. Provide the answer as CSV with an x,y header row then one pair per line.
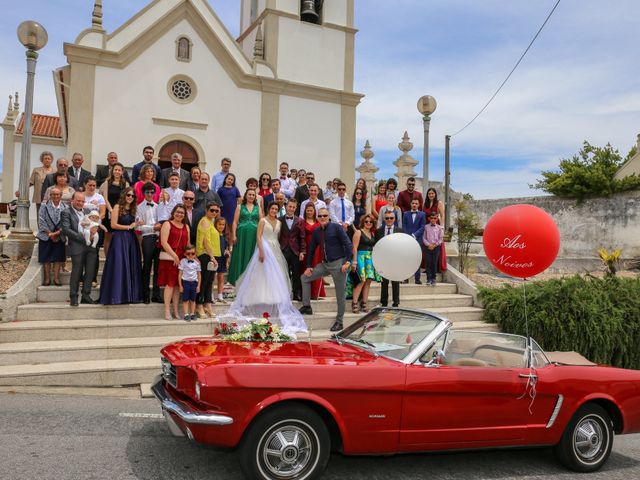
x,y
287,185
174,190
314,190
341,208
147,213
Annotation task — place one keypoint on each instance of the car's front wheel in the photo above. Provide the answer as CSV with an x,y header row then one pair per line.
x,y
286,443
586,442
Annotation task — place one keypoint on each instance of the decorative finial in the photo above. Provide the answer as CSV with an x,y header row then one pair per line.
x,y
10,107
16,103
367,153
96,16
258,46
405,146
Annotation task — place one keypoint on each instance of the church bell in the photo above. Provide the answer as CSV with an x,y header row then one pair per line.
x,y
309,11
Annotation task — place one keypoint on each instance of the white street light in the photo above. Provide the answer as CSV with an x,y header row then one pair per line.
x,y
34,37
426,106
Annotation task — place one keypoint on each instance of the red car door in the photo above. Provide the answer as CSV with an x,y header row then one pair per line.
x,y
463,407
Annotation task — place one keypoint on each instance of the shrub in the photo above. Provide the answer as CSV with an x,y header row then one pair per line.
x,y
597,317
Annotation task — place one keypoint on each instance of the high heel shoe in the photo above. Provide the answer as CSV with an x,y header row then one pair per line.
x,y
355,307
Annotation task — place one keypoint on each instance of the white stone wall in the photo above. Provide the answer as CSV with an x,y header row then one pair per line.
x,y
310,54
309,136
127,99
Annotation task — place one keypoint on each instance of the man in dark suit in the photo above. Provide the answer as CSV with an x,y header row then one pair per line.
x,y
388,228
103,171
176,167
61,167
293,245
413,221
76,171
302,192
271,197
147,154
194,215
83,257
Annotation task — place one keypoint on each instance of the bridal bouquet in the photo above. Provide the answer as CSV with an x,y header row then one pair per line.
x,y
261,330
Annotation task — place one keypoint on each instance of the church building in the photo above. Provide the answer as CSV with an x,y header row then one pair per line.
x,y
173,77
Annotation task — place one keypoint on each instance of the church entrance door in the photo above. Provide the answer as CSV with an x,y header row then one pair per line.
x,y
189,155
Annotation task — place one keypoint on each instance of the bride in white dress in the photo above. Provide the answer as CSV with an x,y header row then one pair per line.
x,y
264,287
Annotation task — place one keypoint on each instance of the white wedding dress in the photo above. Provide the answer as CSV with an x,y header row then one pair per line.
x,y
264,287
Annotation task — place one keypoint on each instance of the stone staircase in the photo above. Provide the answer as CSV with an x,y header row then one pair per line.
x,y
53,344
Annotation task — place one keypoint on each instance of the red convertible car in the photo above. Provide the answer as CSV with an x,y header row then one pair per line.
x,y
396,381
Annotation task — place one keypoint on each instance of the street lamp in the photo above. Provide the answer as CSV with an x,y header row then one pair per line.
x,y
33,36
426,106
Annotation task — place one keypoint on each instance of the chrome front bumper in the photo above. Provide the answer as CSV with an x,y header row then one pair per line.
x,y
183,411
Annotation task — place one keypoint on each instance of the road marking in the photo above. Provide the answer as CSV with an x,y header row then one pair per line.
x,y
158,416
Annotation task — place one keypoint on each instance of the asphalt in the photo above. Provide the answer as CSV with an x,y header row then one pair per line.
x,y
85,437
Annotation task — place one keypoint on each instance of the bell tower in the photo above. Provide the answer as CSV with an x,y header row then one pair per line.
x,y
309,42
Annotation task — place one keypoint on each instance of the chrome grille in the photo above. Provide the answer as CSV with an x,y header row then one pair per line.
x,y
169,372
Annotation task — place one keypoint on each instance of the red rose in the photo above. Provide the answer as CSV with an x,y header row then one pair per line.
x,y
234,325
223,326
216,332
265,315
256,336
269,331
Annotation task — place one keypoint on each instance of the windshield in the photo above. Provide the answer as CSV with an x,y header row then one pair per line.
x,y
389,332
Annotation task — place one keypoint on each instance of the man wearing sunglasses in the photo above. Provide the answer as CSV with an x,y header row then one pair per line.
x,y
388,228
336,251
302,192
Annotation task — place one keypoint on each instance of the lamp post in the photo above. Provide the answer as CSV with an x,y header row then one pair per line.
x,y
33,36
426,106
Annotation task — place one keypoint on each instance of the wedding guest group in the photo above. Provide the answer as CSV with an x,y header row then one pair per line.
x,y
179,235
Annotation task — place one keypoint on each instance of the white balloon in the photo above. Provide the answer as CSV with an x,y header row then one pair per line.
x,y
397,256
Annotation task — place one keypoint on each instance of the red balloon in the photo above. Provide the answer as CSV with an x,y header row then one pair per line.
x,y
521,240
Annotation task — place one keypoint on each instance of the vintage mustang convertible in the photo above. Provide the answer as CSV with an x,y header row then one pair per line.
x,y
396,381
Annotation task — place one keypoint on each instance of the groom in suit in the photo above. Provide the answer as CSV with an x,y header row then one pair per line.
x,y
293,245
84,258
414,221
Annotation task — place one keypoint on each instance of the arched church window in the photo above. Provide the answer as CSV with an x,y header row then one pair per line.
x,y
183,49
311,11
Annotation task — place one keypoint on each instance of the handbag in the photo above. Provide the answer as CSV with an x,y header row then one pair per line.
x,y
167,256
211,266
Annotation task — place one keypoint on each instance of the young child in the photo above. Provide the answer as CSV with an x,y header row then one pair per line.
x,y
221,226
432,239
91,223
189,282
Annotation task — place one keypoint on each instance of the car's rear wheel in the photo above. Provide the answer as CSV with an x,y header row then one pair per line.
x,y
286,443
586,442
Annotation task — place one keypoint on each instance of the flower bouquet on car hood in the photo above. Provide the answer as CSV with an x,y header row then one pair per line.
x,y
257,330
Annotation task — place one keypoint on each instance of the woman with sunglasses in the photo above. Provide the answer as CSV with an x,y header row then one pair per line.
x,y
359,206
122,275
362,266
265,185
207,249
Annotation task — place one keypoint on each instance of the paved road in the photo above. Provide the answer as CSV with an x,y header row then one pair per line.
x,y
73,437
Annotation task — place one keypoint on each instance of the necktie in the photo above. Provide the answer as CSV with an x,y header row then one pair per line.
x,y
289,218
388,230
78,173
190,261
150,204
344,215
323,252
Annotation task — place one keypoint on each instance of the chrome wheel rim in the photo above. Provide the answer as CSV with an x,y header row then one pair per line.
x,y
589,440
287,450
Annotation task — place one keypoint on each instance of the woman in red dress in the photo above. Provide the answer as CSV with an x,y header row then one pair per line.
x,y
380,200
310,224
174,237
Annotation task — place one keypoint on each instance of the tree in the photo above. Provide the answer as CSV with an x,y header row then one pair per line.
x,y
588,174
468,228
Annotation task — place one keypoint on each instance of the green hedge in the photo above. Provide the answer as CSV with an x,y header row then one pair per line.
x,y
597,317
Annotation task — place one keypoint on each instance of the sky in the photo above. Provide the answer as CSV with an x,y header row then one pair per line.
x,y
580,80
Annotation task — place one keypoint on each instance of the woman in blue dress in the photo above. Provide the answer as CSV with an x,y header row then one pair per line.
x,y
122,276
229,194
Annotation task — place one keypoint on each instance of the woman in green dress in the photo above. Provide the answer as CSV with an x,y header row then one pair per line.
x,y
243,234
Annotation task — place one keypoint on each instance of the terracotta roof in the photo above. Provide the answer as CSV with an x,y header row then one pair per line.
x,y
43,126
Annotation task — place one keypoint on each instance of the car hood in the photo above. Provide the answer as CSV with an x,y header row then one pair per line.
x,y
211,352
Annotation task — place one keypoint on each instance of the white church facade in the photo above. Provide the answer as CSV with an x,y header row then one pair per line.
x,y
173,77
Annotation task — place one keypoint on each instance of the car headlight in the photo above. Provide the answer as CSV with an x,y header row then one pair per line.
x,y
197,388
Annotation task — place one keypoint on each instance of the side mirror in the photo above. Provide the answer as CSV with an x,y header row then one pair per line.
x,y
437,359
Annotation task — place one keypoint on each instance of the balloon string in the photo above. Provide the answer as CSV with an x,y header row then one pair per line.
x,y
526,319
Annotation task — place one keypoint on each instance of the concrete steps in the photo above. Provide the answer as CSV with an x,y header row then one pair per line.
x,y
51,343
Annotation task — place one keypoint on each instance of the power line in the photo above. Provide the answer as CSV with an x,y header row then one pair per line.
x,y
511,72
